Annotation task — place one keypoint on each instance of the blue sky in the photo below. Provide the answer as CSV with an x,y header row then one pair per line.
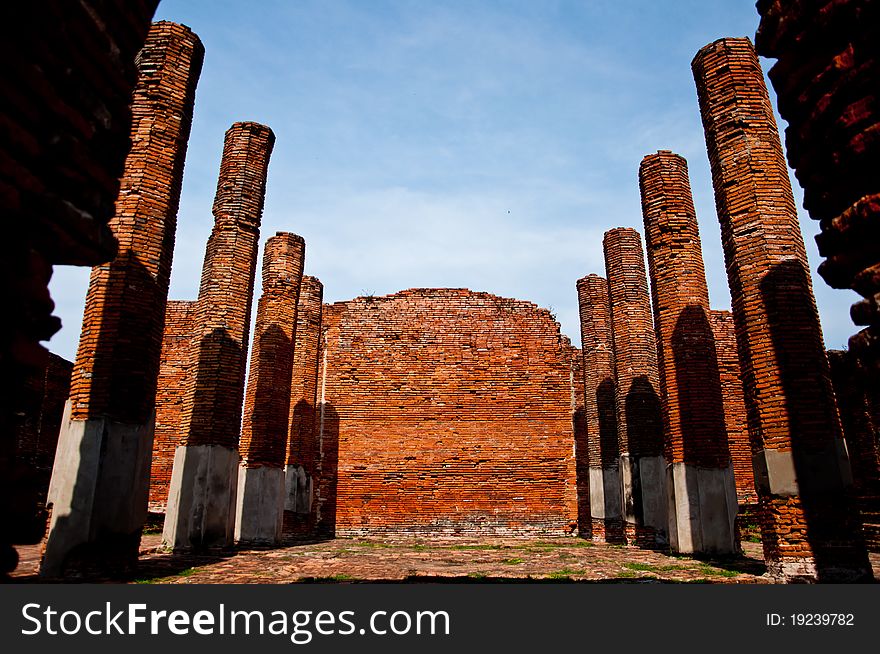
x,y
481,144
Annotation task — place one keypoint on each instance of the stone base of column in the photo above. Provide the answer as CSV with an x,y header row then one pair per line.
x,y
201,499
98,494
299,490
702,510
644,501
605,505
260,506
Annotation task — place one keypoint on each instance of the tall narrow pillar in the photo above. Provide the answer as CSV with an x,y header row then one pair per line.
x,y
809,525
201,498
263,447
734,408
700,483
600,410
303,451
581,445
101,476
639,414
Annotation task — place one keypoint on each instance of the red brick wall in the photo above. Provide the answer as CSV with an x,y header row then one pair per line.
x,y
815,530
693,411
212,406
826,80
734,406
451,412
117,361
267,400
174,365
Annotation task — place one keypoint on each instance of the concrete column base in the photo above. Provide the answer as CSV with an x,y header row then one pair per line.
x,y
605,506
259,510
643,499
702,509
299,490
98,493
201,499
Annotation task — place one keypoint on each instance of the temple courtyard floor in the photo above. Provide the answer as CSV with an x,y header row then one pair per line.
x,y
469,560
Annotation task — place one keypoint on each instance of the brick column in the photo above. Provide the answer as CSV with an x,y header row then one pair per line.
x,y
826,80
810,528
581,445
263,448
600,410
174,365
201,499
101,476
302,449
702,493
639,414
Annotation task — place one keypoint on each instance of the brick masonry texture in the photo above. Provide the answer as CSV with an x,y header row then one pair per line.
x,y
302,444
693,410
67,70
47,390
809,525
448,411
267,399
581,444
851,386
118,356
212,407
734,406
600,403
826,79
174,366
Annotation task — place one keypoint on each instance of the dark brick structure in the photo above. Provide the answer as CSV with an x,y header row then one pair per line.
x,y
201,514
446,411
106,443
702,492
264,434
826,80
809,524
67,71
581,444
639,415
600,409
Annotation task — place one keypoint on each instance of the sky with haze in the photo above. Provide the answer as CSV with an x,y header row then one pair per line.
x,y
482,144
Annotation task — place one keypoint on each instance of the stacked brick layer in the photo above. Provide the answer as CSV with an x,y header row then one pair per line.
x,y
826,79
267,400
693,411
212,406
67,71
174,366
302,445
639,421
810,528
118,356
862,433
734,406
600,403
449,411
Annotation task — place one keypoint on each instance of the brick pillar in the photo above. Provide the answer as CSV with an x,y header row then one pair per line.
x,y
734,408
600,410
861,432
174,365
702,493
826,80
639,414
810,527
581,445
101,477
302,449
201,499
263,448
